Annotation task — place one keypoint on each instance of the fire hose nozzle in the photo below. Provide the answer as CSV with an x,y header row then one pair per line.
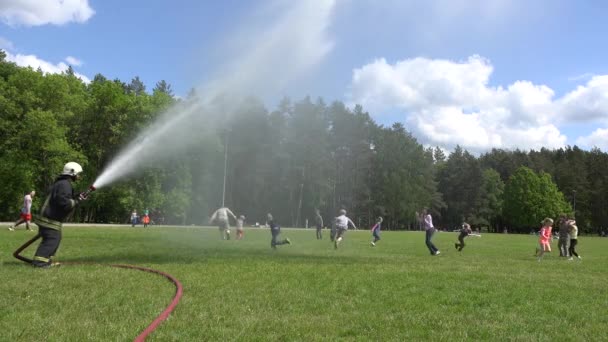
x,y
85,195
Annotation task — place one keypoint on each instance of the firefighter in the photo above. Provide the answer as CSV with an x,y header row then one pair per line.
x,y
58,207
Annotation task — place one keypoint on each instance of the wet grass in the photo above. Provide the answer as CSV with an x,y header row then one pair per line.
x,y
307,291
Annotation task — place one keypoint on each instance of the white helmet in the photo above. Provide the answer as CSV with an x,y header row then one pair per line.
x,y
71,169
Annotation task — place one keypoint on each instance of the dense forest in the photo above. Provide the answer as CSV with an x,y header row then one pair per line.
x,y
302,155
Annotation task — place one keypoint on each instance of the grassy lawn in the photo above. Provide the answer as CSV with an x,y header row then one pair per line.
x,y
307,291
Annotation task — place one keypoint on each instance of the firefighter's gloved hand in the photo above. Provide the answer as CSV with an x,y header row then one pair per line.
x,y
83,196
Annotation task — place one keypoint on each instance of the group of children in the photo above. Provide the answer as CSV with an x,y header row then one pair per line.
x,y
145,218
568,238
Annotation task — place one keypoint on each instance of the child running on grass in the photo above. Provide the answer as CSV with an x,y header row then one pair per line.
x,y
342,222
545,238
239,227
464,232
376,231
275,230
26,212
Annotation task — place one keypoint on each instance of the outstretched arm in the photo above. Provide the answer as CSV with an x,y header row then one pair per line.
x,y
213,217
352,223
230,212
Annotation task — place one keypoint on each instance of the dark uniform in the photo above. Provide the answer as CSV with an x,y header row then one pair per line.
x,y
58,206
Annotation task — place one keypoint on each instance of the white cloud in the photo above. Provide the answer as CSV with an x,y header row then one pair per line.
x,y
598,138
73,61
587,103
47,67
449,103
42,12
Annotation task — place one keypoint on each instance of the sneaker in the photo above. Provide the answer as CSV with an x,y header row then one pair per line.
x,y
579,258
373,244
288,241
437,253
11,228
570,259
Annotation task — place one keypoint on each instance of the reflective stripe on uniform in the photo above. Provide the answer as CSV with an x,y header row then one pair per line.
x,y
43,259
47,222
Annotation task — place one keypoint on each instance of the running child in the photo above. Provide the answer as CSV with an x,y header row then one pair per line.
x,y
545,238
464,232
239,227
376,230
342,223
26,212
275,230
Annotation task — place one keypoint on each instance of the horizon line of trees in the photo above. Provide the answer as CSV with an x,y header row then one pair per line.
x,y
289,161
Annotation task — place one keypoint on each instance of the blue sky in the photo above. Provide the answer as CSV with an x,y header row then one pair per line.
x,y
533,71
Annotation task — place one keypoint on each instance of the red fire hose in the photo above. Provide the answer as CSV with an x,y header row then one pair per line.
x,y
159,319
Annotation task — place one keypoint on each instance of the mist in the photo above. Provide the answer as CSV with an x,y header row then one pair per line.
x,y
264,59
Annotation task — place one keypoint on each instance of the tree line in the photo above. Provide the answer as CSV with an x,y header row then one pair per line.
x,y
302,155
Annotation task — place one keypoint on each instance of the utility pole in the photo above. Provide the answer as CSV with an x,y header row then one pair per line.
x,y
225,164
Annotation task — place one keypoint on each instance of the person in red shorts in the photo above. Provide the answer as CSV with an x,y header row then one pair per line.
x,y
26,212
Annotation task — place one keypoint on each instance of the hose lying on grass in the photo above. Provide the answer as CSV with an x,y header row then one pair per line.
x,y
159,319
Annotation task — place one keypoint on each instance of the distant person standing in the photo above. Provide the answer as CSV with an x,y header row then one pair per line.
x,y
239,227
146,218
545,238
376,230
26,212
563,235
342,222
220,216
464,232
134,218
427,223
573,233
318,224
275,230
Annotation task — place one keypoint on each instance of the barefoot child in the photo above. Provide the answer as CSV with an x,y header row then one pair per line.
x,y
26,212
239,227
545,238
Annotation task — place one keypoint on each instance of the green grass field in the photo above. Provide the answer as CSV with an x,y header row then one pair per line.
x,y
244,291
